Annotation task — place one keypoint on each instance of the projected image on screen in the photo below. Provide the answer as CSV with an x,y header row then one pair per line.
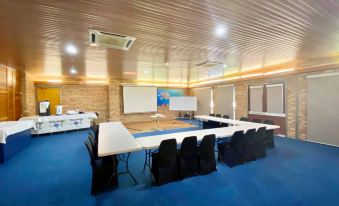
x,y
163,95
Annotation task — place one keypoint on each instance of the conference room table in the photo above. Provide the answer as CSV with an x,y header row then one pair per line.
x,y
153,142
115,139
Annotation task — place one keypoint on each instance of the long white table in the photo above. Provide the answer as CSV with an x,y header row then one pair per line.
x,y
115,139
12,127
153,142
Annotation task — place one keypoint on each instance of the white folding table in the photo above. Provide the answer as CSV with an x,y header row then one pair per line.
x,y
115,139
153,142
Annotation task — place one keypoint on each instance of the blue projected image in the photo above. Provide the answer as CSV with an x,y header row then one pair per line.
x,y
163,95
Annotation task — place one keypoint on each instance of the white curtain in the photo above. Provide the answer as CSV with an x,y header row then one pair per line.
x,y
204,100
224,100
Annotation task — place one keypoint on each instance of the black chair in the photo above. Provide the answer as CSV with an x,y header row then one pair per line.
x,y
213,115
95,130
207,162
224,124
218,115
104,174
269,140
187,157
226,116
232,153
249,145
260,136
256,120
244,119
164,162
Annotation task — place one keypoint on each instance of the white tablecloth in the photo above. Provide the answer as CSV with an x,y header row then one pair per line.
x,y
59,117
12,127
60,123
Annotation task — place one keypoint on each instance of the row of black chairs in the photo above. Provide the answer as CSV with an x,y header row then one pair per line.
x,y
244,147
104,169
213,124
269,140
170,164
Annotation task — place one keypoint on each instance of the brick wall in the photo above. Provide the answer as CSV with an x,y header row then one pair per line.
x,y
86,98
28,94
296,99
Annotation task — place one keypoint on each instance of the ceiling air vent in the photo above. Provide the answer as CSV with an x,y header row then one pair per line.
x,y
209,64
110,40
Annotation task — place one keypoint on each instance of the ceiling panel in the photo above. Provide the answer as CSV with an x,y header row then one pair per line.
x,y
171,36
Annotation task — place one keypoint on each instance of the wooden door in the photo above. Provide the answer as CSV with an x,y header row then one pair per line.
x,y
50,94
3,93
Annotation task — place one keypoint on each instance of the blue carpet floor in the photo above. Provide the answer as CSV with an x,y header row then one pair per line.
x,y
55,170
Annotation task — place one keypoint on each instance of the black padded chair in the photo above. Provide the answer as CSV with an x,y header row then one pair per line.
x,y
269,140
164,162
244,119
249,145
95,130
224,124
94,145
104,174
218,115
256,120
232,153
260,136
226,116
207,162
213,115
188,157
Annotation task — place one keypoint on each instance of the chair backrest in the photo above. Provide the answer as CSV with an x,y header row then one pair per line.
x,y
213,115
250,133
226,116
91,137
168,149
189,146
237,138
90,151
268,122
218,115
256,120
93,143
244,119
261,133
207,145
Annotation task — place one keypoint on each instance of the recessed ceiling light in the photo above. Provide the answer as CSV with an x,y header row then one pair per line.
x,y
146,71
73,70
71,49
220,31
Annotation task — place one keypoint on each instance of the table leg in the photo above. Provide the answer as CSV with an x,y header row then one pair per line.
x,y
127,169
126,159
147,159
146,156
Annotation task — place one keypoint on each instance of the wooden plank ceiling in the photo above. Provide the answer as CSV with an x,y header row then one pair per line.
x,y
171,36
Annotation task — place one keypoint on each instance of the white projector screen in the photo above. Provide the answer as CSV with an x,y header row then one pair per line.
x,y
183,103
139,99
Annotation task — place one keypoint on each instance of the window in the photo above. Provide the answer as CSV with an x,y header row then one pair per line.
x,y
256,99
